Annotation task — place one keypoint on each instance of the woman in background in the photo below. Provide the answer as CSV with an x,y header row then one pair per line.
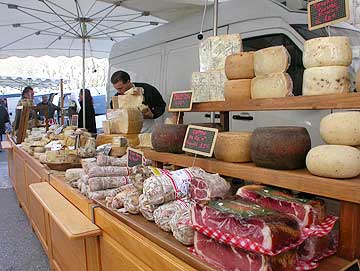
x,y
90,123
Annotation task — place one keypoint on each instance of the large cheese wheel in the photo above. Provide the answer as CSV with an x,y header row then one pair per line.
x,y
280,147
101,139
235,90
328,51
233,147
341,128
240,66
168,137
334,161
128,121
271,86
326,80
271,60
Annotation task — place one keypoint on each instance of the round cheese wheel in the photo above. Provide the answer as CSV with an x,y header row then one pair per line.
x,y
341,128
327,51
240,66
233,147
271,86
280,147
168,137
271,60
334,161
39,149
235,90
326,80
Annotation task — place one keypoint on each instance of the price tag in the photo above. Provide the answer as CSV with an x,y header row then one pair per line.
x,y
74,120
107,149
354,266
322,13
181,101
135,157
200,140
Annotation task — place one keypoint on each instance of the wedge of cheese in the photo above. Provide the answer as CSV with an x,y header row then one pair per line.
x,y
271,86
129,121
131,99
326,80
240,66
274,59
327,51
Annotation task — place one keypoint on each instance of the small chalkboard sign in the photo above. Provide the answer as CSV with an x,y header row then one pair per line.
x,y
354,266
322,13
181,101
135,157
200,140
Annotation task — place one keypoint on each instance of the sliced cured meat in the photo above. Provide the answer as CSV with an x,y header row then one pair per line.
x,y
269,230
208,187
229,258
307,212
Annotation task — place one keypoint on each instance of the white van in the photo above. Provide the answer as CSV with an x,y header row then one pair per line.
x,y
166,56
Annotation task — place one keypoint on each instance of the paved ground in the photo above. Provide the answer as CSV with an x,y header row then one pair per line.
x,y
20,250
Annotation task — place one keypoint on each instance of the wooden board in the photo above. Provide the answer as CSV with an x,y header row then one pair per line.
x,y
333,101
71,221
300,180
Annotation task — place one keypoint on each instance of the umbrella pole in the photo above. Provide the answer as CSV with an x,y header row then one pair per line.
x,y
215,33
83,74
62,101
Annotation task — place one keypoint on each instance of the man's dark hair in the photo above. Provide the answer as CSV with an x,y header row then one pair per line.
x,y
26,90
120,76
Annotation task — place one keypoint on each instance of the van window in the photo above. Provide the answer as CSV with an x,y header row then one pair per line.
x,y
296,68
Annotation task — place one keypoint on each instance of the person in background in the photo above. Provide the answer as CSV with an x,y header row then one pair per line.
x,y
90,123
27,99
152,97
51,108
4,118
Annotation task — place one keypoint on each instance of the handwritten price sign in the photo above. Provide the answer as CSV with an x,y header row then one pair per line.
x,y
181,101
322,13
200,140
135,157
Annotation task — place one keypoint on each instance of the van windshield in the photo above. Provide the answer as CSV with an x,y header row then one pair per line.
x,y
303,30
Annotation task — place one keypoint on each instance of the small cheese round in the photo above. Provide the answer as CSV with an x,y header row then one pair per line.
x,y
235,90
327,51
341,128
326,80
39,149
271,60
240,66
334,161
271,86
233,147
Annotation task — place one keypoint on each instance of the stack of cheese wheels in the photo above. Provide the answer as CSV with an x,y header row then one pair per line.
x,y
340,159
327,63
239,70
270,66
233,147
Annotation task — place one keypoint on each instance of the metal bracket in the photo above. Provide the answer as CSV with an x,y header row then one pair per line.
x,y
93,212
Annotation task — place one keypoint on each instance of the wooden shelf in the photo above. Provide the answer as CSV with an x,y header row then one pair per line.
x,y
300,180
333,101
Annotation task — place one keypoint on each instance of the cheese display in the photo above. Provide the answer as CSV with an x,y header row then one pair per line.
x,y
280,147
240,66
235,90
214,50
233,147
208,86
341,128
127,121
270,60
334,161
327,51
326,80
168,137
273,85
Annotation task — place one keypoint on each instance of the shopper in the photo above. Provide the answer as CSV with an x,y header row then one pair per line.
x,y
27,99
152,97
4,118
51,108
90,123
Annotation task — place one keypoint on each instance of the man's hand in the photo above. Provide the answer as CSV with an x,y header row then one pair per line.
x,y
147,114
